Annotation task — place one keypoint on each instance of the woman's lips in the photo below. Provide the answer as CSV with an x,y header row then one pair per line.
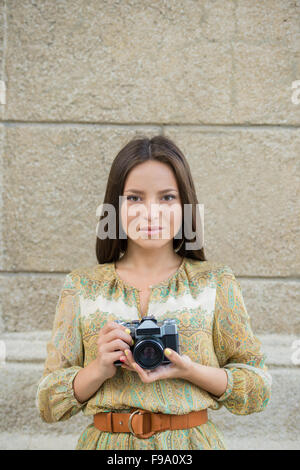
x,y
151,230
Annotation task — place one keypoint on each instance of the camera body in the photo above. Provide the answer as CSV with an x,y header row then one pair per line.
x,y
150,340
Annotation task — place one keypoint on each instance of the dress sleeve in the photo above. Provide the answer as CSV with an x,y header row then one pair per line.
x,y
238,350
55,397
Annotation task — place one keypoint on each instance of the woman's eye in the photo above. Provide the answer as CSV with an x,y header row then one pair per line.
x,y
168,195
128,197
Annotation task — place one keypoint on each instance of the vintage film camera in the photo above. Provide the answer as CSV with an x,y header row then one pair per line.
x,y
150,340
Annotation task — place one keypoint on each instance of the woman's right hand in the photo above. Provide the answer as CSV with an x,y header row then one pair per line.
x,y
111,344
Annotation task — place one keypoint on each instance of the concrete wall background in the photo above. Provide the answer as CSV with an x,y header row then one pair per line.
x,y
83,78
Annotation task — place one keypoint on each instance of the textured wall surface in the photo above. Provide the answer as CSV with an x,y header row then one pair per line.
x,y
81,79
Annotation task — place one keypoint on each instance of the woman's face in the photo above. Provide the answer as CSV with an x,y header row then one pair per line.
x,y
151,199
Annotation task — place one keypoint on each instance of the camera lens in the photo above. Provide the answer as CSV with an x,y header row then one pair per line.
x,y
148,353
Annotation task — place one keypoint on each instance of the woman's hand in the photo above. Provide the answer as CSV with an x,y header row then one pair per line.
x,y
112,340
178,369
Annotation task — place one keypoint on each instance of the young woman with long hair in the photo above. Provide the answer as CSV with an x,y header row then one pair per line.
x,y
155,275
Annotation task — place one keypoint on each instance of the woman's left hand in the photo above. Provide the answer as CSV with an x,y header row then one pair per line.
x,y
179,367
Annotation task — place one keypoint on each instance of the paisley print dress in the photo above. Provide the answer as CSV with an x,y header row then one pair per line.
x,y
206,301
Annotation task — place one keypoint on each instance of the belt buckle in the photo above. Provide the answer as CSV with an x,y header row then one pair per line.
x,y
139,436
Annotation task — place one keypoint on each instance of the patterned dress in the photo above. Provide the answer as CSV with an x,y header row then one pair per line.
x,y
206,301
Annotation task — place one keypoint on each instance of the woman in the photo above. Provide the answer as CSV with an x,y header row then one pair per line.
x,y
162,274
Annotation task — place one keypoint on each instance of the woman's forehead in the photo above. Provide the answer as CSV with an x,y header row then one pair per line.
x,y
158,177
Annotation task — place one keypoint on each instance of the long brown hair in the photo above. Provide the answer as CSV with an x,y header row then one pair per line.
x,y
139,150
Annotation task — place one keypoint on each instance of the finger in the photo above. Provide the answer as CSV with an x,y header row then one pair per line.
x,y
181,364
144,374
124,366
124,360
116,344
118,333
109,326
111,357
131,362
173,356
129,357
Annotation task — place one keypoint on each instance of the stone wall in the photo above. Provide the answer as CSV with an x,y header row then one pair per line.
x,y
81,79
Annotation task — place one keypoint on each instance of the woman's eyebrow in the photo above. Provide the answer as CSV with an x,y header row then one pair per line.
x,y
137,191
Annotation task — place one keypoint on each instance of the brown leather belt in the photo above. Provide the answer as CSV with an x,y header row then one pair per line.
x,y
144,423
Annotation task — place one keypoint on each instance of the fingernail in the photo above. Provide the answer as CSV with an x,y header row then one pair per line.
x,y
126,351
132,341
127,331
167,352
135,365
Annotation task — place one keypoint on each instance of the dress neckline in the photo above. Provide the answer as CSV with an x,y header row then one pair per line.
x,y
152,286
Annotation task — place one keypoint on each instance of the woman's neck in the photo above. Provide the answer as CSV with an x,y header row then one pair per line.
x,y
153,262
